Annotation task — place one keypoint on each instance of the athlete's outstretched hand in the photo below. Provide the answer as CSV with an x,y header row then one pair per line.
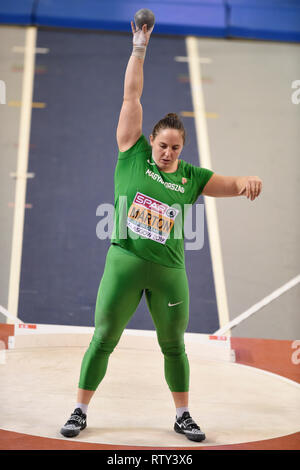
x,y
250,186
141,37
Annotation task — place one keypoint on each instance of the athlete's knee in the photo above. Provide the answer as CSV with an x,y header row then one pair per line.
x,y
172,348
103,342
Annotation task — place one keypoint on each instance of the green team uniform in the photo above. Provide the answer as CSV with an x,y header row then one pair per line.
x,y
155,201
146,255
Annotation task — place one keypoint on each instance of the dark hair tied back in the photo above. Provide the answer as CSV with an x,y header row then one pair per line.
x,y
172,116
170,121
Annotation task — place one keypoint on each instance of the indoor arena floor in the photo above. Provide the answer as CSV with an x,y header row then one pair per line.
x,y
236,404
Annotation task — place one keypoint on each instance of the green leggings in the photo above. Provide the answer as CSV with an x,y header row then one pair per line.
x,y
124,280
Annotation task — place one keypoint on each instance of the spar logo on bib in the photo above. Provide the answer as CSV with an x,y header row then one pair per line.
x,y
150,218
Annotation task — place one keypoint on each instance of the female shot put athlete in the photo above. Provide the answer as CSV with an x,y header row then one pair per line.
x,y
144,255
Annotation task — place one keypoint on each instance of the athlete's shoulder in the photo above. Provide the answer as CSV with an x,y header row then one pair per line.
x,y
186,168
141,146
191,169
197,175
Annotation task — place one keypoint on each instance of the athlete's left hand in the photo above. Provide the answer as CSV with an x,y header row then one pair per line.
x,y
250,186
141,37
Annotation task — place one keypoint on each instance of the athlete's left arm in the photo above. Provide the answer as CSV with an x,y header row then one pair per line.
x,y
230,186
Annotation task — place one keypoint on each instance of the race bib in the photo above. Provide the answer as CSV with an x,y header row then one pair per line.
x,y
150,218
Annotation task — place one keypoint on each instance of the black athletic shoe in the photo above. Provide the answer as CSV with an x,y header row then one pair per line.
x,y
75,424
186,425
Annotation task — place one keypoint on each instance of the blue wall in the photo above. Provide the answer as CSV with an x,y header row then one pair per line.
x,y
73,156
253,19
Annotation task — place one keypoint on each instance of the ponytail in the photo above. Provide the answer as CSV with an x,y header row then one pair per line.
x,y
170,121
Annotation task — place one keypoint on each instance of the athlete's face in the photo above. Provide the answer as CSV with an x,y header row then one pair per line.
x,y
166,148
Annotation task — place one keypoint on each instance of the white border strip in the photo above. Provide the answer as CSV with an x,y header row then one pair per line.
x,y
25,329
9,315
259,305
204,153
20,192
267,372
38,50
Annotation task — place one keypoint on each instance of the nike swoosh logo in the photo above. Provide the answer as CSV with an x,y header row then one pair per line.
x,y
172,305
151,163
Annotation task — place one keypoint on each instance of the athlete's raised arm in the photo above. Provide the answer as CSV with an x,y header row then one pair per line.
x,y
131,116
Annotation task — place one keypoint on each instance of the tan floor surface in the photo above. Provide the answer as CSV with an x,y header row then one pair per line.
x,y
133,406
